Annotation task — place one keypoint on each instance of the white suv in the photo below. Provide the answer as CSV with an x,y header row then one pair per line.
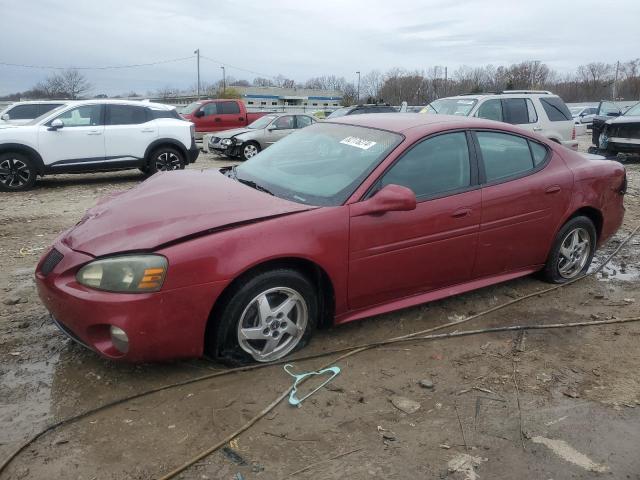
x,y
537,111
95,135
23,112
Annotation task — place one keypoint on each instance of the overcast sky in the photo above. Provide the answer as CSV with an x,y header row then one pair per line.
x,y
302,38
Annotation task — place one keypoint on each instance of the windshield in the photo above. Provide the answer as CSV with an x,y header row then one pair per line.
x,y
635,110
189,109
451,106
341,112
319,165
262,122
46,114
575,110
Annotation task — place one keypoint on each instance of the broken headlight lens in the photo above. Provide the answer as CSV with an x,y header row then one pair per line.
x,y
226,141
127,273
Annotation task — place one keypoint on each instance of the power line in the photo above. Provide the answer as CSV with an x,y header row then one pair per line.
x,y
237,68
108,67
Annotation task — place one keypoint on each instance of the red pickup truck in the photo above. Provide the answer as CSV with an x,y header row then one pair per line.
x,y
217,115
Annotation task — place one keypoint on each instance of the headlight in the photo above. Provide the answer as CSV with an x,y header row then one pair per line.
x,y
226,141
127,273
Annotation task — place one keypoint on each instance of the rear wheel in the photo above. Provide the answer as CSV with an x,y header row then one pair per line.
x,y
572,251
17,172
264,319
164,159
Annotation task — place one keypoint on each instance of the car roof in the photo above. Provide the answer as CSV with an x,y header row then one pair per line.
x,y
39,102
138,103
401,122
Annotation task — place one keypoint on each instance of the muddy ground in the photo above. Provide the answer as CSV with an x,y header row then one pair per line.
x,y
578,390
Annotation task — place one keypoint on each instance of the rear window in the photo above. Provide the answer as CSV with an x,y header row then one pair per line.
x,y
172,113
228,108
556,110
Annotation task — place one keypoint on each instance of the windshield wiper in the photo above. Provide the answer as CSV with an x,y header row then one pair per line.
x,y
253,184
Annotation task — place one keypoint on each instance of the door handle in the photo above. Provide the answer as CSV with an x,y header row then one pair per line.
x,y
552,189
94,132
537,129
241,119
217,119
462,212
147,130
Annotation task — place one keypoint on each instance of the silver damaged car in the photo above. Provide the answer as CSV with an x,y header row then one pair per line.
x,y
247,142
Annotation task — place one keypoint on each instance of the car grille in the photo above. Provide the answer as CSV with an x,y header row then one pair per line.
x,y
631,130
53,258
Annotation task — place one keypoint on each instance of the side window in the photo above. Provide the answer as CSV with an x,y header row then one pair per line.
x,y
229,108
84,116
126,115
556,110
47,107
23,112
210,109
503,155
539,153
436,165
303,121
533,115
515,111
491,110
284,123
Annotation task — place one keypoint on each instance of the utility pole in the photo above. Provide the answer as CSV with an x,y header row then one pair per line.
x,y
224,81
615,82
445,81
197,52
358,99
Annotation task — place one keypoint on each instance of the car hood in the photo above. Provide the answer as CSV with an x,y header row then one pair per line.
x,y
170,207
234,132
624,119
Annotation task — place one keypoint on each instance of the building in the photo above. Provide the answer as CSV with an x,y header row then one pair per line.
x,y
267,98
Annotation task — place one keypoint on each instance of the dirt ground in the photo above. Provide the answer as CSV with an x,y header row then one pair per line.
x,y
575,392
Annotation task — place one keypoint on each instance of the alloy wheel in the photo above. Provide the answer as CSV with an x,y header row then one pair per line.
x,y
250,151
14,173
273,323
575,250
167,161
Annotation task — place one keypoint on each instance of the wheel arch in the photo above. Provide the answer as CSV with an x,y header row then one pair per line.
x,y
26,150
592,214
162,142
314,272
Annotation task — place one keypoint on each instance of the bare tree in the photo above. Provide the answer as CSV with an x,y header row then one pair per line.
x,y
371,85
65,84
262,82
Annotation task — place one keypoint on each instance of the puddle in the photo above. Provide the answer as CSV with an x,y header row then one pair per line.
x,y
618,271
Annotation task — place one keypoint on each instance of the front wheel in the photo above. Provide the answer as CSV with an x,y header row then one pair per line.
x,y
264,319
572,251
251,149
164,159
17,172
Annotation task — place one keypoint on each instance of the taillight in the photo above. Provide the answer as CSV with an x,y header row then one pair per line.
x,y
573,134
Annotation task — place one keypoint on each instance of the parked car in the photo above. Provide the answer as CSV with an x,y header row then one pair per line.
x,y
583,115
249,141
618,134
218,115
360,109
336,222
20,113
95,135
536,111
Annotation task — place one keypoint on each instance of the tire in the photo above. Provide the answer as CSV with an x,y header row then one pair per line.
x,y
164,159
572,251
273,334
249,149
17,172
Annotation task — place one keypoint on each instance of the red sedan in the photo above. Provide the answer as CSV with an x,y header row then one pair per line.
x,y
339,221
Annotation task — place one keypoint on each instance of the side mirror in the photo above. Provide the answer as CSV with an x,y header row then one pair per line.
x,y
392,198
56,124
5,117
199,113
271,128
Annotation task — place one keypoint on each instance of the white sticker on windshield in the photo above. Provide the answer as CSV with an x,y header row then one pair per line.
x,y
358,142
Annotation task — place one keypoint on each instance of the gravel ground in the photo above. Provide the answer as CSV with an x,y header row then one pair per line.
x,y
574,392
